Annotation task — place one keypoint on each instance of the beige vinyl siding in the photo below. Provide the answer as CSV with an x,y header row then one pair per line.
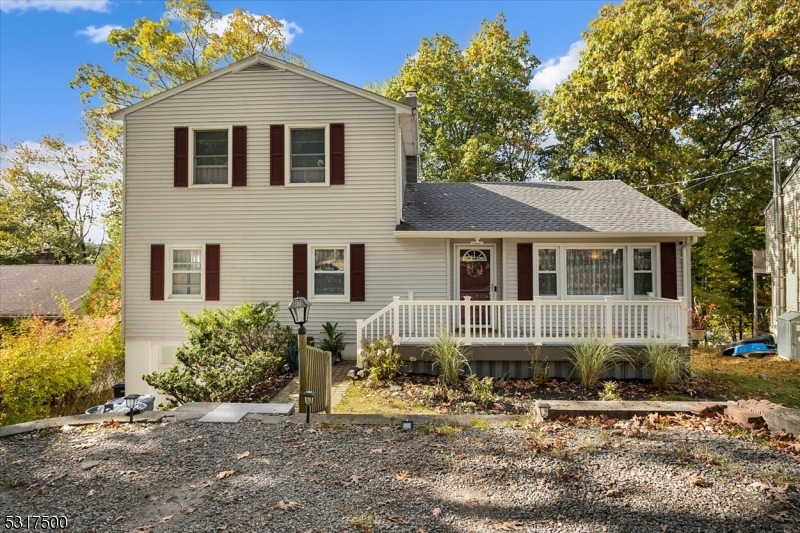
x,y
791,229
511,259
256,225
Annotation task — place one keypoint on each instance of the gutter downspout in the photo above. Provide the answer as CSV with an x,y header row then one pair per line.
x,y
777,196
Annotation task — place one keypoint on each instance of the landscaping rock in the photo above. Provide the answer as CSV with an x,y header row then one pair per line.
x,y
743,417
783,420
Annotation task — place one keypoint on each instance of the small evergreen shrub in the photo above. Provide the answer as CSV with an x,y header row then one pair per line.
x,y
610,393
591,356
481,389
381,359
665,363
449,356
227,352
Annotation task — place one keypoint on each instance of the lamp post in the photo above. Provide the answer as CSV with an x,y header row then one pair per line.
x,y
299,309
308,399
130,403
544,410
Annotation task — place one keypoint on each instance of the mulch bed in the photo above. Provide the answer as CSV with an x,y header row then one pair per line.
x,y
515,396
264,392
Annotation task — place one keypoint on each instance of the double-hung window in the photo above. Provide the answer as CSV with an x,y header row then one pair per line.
x,y
329,272
211,156
595,271
186,272
308,158
643,271
548,272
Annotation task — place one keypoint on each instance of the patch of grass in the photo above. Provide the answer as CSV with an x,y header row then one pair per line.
x,y
478,423
780,479
363,523
362,400
740,376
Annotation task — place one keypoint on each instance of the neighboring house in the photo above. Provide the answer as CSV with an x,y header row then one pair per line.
x,y
27,290
789,274
264,179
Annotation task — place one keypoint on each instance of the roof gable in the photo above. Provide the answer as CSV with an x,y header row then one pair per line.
x,y
261,62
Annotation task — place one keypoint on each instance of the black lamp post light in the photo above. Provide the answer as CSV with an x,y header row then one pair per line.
x,y
130,403
299,309
544,410
308,399
407,425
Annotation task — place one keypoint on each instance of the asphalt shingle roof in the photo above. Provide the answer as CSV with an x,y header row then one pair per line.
x,y
27,289
565,206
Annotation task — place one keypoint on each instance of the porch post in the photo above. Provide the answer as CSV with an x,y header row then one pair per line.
x,y
609,317
537,319
467,319
359,338
683,323
396,319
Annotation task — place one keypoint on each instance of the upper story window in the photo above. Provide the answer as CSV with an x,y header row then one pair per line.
x,y
308,158
186,272
211,156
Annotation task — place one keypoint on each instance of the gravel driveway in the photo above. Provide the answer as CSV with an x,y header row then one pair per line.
x,y
287,477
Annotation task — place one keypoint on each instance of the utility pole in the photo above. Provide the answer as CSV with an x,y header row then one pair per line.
x,y
777,197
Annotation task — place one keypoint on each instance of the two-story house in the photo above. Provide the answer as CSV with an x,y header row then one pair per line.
x,y
264,179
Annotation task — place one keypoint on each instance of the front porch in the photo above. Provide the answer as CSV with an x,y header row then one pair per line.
x,y
538,322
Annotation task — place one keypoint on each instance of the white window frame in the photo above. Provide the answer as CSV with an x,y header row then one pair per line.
x,y
311,273
628,273
168,271
558,272
287,174
654,271
192,131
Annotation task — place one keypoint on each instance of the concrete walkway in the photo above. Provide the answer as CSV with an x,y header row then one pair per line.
x,y
339,381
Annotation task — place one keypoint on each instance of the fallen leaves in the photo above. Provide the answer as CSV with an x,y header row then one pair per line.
x,y
165,519
289,505
437,512
242,455
355,479
396,519
402,476
224,474
507,526
698,481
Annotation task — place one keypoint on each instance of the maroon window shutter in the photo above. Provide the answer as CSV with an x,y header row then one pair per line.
x,y
669,271
156,271
524,271
300,270
212,272
181,160
276,155
337,154
357,278
239,156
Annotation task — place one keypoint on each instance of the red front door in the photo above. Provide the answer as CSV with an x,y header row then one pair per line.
x,y
475,281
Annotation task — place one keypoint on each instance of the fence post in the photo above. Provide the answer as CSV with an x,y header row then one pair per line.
x,y
609,318
537,319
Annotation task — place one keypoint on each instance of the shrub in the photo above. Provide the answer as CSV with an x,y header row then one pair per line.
x,y
334,342
55,367
610,393
591,356
665,363
448,355
227,352
481,389
539,366
380,358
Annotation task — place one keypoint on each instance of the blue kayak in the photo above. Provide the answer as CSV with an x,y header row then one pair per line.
x,y
757,348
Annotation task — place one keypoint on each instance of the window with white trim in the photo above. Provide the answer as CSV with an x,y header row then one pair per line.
x,y
186,272
643,271
211,156
548,271
308,157
329,272
595,271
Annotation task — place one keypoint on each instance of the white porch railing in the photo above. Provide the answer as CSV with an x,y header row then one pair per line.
x,y
529,322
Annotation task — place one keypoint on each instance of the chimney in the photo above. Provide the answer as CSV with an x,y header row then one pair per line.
x,y
46,257
411,99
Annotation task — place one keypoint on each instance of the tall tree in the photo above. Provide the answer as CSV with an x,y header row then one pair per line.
x,y
477,119
678,98
50,194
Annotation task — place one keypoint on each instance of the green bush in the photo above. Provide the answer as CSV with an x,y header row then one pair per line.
x,y
380,358
334,342
53,367
591,356
610,393
481,389
449,356
665,363
227,351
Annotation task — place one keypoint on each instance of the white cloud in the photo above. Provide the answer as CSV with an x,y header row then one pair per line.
x,y
289,30
99,35
62,6
557,69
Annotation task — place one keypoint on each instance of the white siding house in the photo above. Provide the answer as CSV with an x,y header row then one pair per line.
x,y
239,184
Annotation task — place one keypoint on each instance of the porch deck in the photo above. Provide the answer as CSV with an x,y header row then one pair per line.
x,y
535,322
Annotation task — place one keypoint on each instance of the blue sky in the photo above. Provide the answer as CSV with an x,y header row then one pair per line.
x,y
42,43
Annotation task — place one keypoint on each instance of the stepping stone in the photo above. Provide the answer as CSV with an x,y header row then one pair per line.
x,y
273,409
229,413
